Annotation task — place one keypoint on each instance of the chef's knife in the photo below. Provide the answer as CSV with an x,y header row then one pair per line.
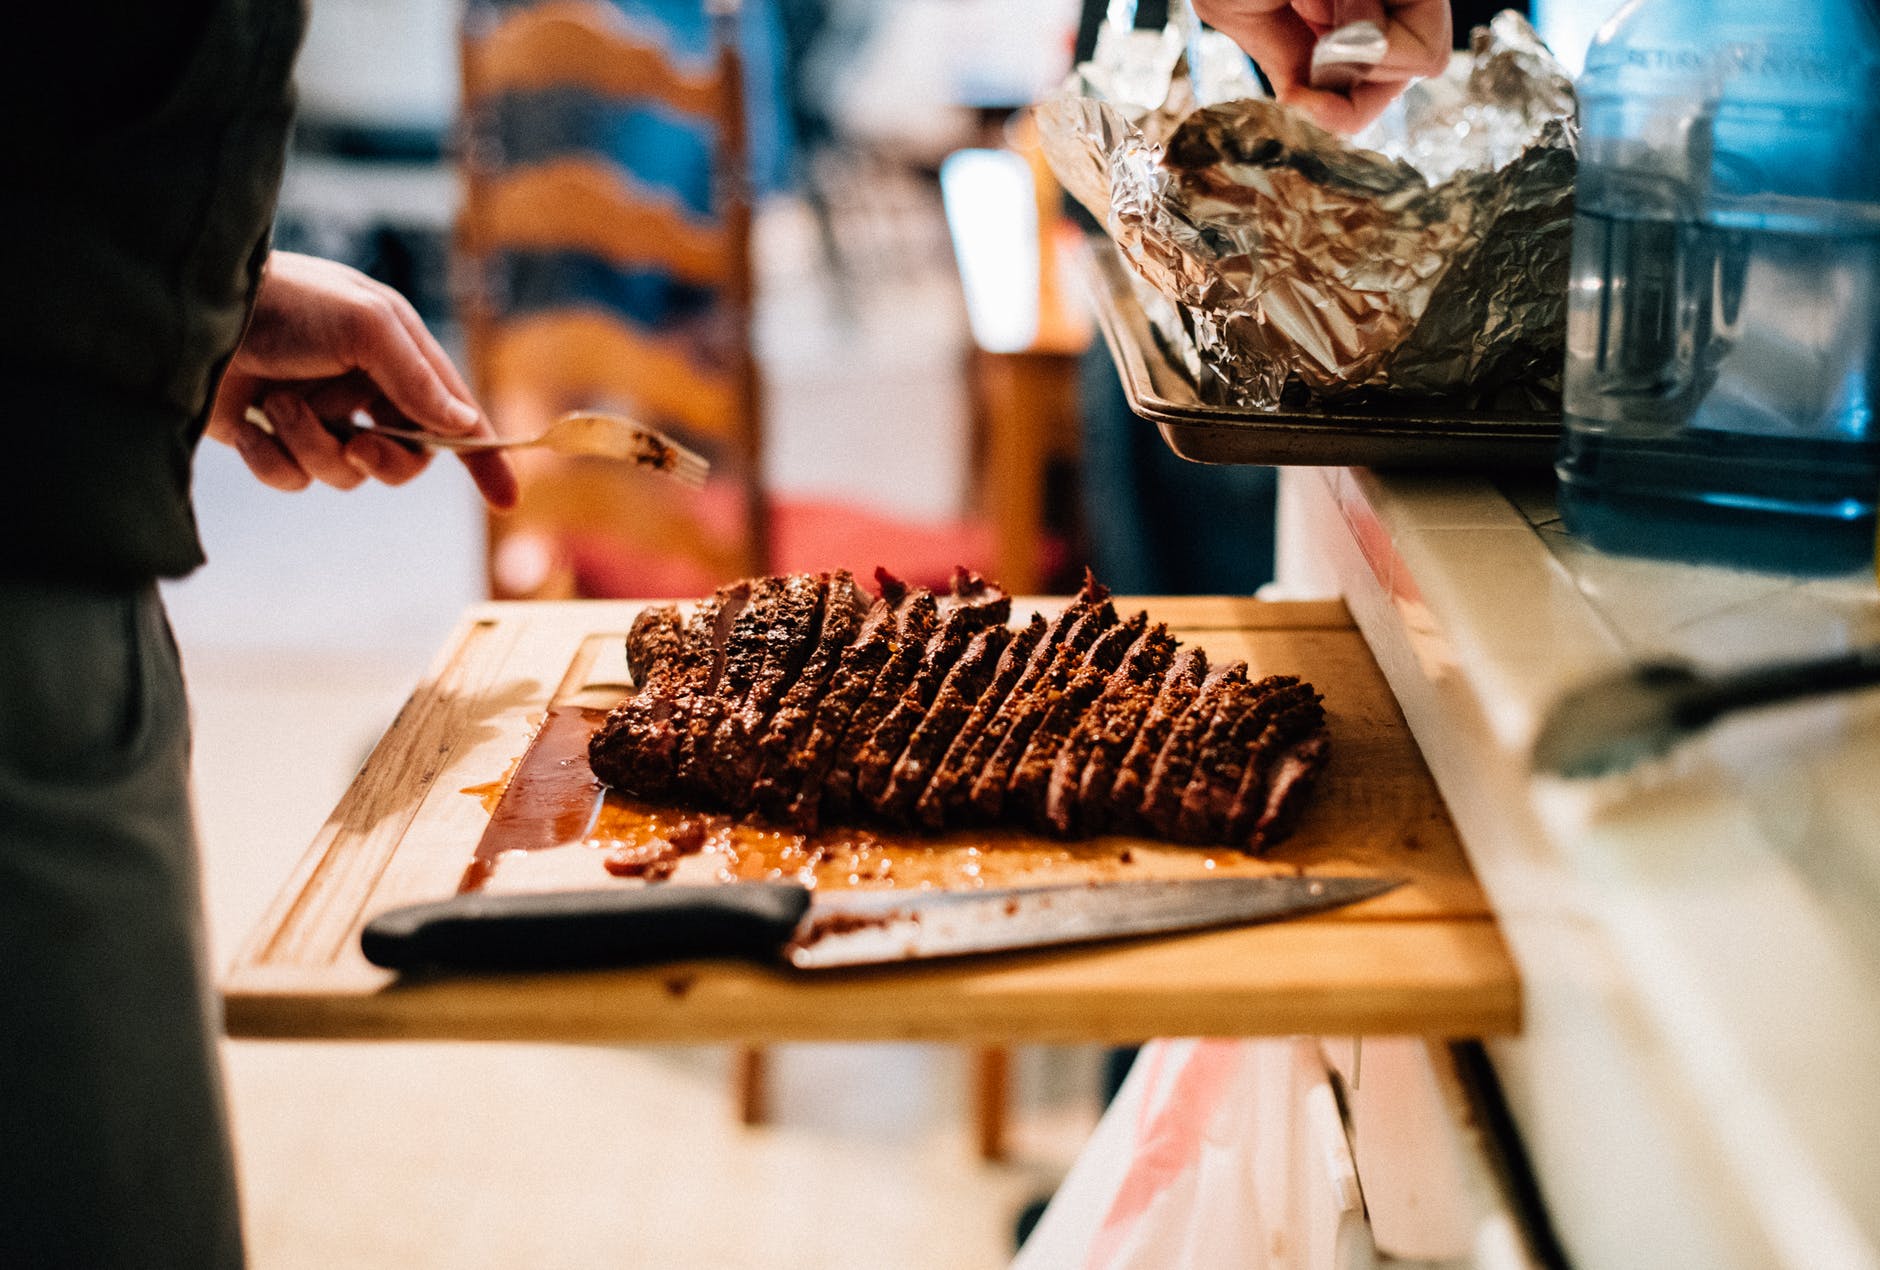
x,y
817,930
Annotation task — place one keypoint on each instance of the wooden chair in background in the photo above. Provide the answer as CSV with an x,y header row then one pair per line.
x,y
1028,336
529,366
586,527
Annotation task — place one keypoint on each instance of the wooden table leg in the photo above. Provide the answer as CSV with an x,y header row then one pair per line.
x,y
992,1069
1015,458
1028,405
750,1075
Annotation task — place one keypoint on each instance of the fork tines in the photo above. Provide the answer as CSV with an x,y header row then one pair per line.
x,y
661,453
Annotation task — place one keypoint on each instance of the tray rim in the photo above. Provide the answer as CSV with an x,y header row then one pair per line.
x,y
1205,433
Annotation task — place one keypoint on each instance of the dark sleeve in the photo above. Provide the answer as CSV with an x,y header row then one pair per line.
x,y
1469,14
75,67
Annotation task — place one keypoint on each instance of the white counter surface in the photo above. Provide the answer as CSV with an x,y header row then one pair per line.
x,y
1698,1082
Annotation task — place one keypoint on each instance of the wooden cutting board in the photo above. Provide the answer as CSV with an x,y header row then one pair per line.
x,y
1427,958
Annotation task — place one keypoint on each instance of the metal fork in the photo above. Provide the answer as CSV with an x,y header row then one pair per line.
x,y
582,432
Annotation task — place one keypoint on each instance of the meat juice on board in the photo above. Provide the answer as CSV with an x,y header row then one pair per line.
x,y
1723,329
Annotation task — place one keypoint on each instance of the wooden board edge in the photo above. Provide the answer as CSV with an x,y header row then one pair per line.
x,y
405,726
1042,998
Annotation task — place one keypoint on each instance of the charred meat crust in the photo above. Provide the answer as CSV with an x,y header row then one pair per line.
x,y
653,644
1104,730
1084,805
779,792
843,612
1021,717
1179,689
954,700
698,705
1291,782
1168,779
1108,722
1221,761
797,800
976,606
799,700
1030,779
785,634
640,754
1064,642
1298,719
950,769
917,624
969,590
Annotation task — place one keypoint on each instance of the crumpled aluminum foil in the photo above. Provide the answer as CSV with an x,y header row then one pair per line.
x,y
1424,258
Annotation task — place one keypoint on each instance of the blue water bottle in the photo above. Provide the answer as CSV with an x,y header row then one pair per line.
x,y
1723,327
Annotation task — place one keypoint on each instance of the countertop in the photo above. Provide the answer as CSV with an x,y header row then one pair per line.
x,y
1699,939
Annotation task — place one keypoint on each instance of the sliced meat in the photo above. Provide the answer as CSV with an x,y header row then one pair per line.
x,y
974,606
1168,779
844,611
962,688
798,699
743,656
653,643
1287,790
1120,807
1109,723
786,634
640,756
1065,643
1300,718
918,622
1225,749
822,719
794,797
928,788
1027,781
1030,779
966,757
969,590
1007,735
1092,808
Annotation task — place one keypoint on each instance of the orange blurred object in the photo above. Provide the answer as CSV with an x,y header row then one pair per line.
x,y
699,383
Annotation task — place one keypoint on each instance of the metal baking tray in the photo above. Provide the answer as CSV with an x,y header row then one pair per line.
x,y
1160,390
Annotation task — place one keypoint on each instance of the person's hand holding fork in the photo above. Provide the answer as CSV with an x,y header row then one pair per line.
x,y
325,343
1279,35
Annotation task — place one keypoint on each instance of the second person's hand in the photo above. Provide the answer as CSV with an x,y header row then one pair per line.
x,y
326,342
1279,36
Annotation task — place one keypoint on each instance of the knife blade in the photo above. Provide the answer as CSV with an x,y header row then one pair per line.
x,y
770,922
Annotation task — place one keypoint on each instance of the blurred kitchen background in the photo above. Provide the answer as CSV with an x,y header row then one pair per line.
x,y
895,423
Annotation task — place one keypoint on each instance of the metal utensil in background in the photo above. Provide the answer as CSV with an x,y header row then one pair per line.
x,y
771,922
1614,722
579,432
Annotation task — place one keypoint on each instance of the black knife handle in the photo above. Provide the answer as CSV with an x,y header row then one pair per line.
x,y
565,930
